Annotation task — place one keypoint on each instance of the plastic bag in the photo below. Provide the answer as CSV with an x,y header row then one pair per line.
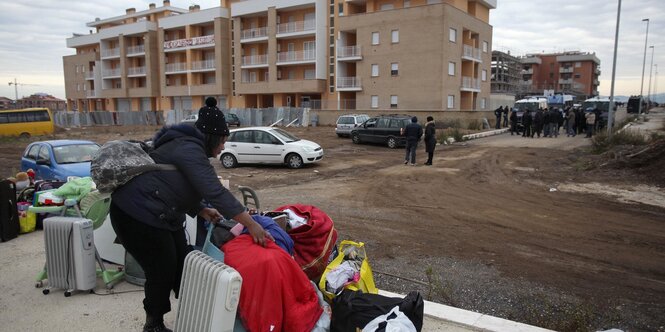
x,y
351,250
393,321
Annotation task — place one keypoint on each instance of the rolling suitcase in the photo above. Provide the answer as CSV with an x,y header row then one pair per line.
x,y
9,225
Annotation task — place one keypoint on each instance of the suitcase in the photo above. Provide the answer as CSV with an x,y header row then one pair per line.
x,y
9,225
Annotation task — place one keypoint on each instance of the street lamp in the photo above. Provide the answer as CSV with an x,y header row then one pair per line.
x,y
644,61
650,72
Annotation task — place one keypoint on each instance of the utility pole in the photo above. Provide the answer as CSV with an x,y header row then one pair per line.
x,y
650,72
610,115
644,61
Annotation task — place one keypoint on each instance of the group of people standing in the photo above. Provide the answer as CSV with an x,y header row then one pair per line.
x,y
548,122
414,132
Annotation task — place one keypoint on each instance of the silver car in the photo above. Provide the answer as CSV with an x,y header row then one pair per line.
x,y
346,123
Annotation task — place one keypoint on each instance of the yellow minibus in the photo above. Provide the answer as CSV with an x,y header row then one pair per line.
x,y
26,122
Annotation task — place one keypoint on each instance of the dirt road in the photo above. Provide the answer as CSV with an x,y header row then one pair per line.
x,y
493,226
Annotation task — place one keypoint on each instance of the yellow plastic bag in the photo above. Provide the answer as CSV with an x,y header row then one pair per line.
x,y
366,281
27,220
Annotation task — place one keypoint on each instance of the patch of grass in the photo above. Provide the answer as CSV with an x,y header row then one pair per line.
x,y
450,123
601,142
435,286
558,317
474,125
626,121
457,135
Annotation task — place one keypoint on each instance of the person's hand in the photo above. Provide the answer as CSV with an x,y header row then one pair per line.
x,y
210,214
258,234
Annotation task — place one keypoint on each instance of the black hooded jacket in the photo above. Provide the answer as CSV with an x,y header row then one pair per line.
x,y
161,198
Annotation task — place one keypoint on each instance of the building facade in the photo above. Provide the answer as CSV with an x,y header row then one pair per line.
x,y
506,73
42,100
330,54
574,73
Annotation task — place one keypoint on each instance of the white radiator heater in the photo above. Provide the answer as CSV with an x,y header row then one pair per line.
x,y
70,254
209,295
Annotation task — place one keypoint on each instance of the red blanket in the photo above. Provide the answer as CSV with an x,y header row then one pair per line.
x,y
314,241
275,295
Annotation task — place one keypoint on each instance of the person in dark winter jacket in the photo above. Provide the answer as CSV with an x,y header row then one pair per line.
x,y
527,118
430,138
537,123
497,114
513,122
148,213
413,133
505,116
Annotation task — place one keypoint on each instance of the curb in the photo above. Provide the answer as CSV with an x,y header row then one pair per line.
x,y
485,134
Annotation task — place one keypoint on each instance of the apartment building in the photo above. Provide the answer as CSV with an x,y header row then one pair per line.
x,y
506,73
574,73
42,100
331,54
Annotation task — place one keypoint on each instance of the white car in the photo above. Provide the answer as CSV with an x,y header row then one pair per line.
x,y
268,145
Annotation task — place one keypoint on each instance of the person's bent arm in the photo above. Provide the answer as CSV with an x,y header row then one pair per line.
x,y
255,230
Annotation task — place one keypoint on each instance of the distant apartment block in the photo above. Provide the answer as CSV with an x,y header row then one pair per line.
x,y
506,73
42,100
336,54
6,103
574,73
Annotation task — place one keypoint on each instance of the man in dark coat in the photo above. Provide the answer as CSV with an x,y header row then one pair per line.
x,y
497,113
148,212
430,138
526,123
413,133
538,123
513,122
505,116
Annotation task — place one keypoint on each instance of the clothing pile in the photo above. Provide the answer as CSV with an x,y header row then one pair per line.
x,y
348,271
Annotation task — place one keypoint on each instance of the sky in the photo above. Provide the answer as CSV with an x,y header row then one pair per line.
x,y
33,37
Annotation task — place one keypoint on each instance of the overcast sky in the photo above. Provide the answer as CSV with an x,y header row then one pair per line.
x,y
33,36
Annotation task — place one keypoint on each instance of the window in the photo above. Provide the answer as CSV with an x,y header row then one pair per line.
x,y
578,64
407,3
309,74
77,68
483,75
387,6
433,2
452,35
578,75
375,38
375,70
394,69
375,101
451,101
341,9
483,103
393,101
486,46
78,87
451,68
394,35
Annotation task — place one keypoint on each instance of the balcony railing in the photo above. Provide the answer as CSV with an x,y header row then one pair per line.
x,y
348,82
138,49
203,65
254,33
527,71
298,26
564,70
136,71
470,83
471,52
296,56
90,93
90,75
189,42
349,52
111,72
255,60
176,67
111,52
566,81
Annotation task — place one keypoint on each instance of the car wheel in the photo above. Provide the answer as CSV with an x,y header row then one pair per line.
x,y
228,160
293,160
24,135
392,142
356,138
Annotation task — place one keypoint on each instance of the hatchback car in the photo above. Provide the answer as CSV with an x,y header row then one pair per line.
x,y
346,123
59,159
384,129
268,145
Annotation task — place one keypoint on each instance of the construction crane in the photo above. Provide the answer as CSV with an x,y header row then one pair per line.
x,y
16,84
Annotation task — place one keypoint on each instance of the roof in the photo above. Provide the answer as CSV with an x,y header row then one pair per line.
x,y
64,142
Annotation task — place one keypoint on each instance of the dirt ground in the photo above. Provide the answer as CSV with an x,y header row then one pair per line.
x,y
536,231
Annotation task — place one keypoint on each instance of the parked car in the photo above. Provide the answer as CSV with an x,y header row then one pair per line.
x,y
384,129
268,145
231,119
59,159
346,123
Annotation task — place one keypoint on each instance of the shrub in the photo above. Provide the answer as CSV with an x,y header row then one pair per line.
x,y
602,142
474,125
457,135
450,123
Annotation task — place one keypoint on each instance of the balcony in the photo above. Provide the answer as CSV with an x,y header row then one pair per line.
x,y
253,61
296,57
136,71
90,94
566,70
471,53
175,68
188,43
566,81
527,71
205,65
136,50
90,75
111,73
349,84
111,53
255,34
349,53
296,28
596,82
527,82
470,84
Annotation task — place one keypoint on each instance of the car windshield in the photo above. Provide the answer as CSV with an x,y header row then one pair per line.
x,y
284,136
76,153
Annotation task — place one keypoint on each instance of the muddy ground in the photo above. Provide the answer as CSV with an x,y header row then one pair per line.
x,y
529,230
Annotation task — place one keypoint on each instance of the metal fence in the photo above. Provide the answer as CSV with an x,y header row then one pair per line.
x,y
280,116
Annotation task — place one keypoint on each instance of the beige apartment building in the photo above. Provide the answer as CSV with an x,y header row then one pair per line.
x,y
330,54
